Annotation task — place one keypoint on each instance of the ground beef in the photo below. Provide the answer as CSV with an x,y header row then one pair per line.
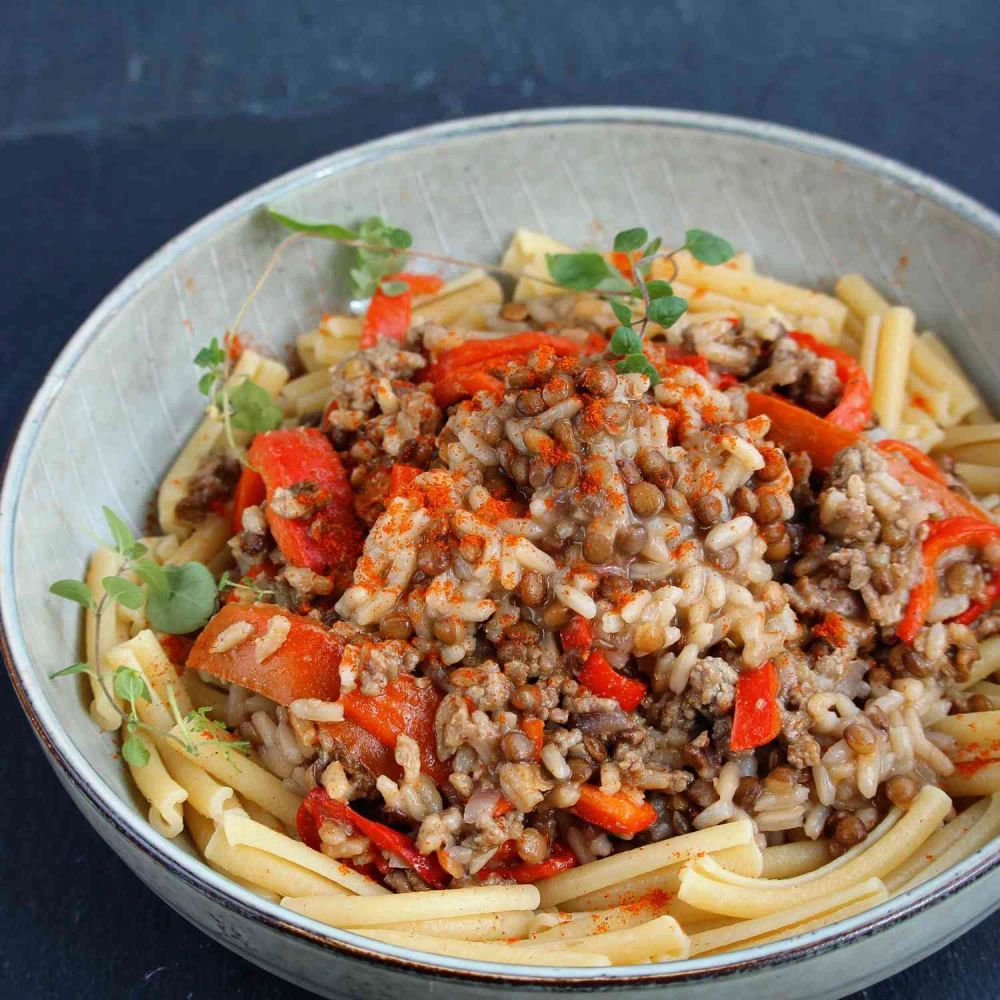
x,y
211,484
808,379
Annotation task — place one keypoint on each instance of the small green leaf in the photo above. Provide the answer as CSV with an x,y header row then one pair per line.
x,y
135,753
625,341
399,239
622,311
641,364
206,382
210,356
252,408
630,239
225,581
120,532
153,575
127,594
328,229
579,271
707,247
187,604
393,288
653,246
76,668
130,685
614,282
73,590
658,289
667,311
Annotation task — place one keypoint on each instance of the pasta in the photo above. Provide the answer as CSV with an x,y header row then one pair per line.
x,y
605,624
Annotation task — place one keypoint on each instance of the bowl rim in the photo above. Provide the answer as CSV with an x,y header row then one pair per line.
x,y
75,770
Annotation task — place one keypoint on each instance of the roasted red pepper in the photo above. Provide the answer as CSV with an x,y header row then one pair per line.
x,y
577,636
526,873
942,536
389,316
250,491
756,715
664,355
977,608
617,814
328,540
481,364
917,460
599,677
403,707
854,410
796,429
317,806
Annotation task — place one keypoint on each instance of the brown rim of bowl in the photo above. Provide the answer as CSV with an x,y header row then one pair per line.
x,y
371,151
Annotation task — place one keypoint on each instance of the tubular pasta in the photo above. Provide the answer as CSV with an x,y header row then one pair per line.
x,y
244,775
164,795
103,563
619,867
892,361
482,951
710,887
242,831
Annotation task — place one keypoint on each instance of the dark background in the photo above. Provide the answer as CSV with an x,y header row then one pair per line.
x,y
121,123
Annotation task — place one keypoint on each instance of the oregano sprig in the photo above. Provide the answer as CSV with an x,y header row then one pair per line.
x,y
590,271
177,599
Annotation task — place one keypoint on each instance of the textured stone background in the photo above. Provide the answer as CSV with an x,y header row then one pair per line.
x,y
123,122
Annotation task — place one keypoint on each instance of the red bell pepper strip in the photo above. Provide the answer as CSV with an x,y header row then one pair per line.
x,y
577,636
403,707
481,364
796,429
599,677
664,355
304,666
756,715
527,873
920,462
400,476
943,536
854,410
250,491
330,539
369,750
317,806
617,814
389,316
977,608
177,648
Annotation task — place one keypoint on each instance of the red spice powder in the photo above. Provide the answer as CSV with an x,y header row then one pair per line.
x,y
832,629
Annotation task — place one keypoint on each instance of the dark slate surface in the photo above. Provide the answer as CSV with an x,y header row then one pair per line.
x,y
121,123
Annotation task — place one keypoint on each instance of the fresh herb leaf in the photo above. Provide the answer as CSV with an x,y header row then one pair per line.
x,y
653,246
641,364
666,311
707,247
621,311
658,289
122,535
187,603
153,575
630,239
206,383
252,408
393,288
130,685
329,229
73,590
374,265
135,752
211,356
197,720
580,272
625,341
76,668
127,594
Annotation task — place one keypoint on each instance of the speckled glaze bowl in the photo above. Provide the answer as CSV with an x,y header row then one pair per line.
x,y
121,398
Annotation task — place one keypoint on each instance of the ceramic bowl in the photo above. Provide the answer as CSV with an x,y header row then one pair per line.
x,y
121,398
